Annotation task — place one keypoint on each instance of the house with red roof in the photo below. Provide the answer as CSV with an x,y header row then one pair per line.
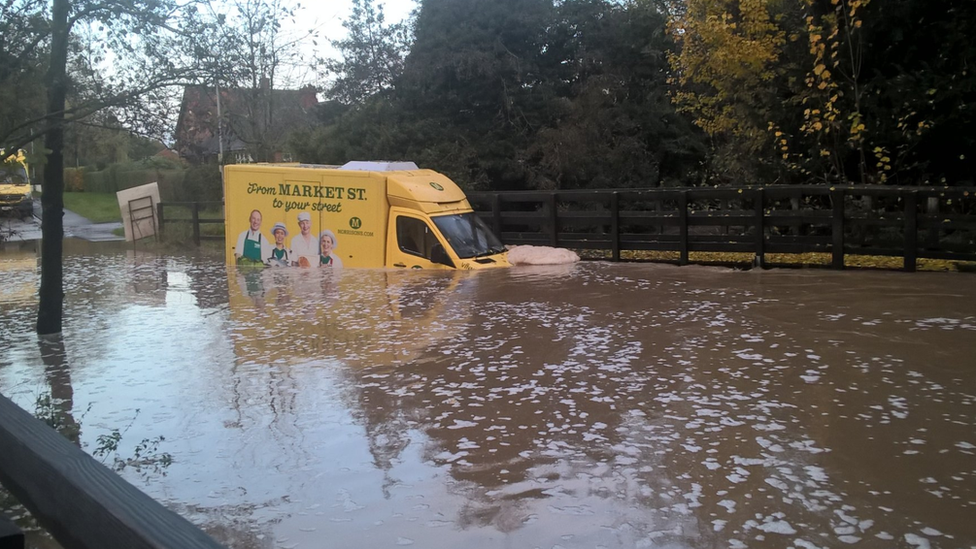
x,y
253,124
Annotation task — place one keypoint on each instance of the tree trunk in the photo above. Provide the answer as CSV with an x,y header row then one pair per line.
x,y
51,309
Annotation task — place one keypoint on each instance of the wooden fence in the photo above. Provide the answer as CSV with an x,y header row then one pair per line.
x,y
78,500
187,214
908,222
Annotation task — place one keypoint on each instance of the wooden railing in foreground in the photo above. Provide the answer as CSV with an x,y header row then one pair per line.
x,y
79,501
10,535
908,222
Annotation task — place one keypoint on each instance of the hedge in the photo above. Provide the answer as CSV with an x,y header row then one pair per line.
x,y
176,184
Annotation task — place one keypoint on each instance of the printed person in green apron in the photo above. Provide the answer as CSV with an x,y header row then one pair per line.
x,y
252,248
279,254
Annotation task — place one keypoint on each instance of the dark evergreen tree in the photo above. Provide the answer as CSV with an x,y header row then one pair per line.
x,y
614,125
921,91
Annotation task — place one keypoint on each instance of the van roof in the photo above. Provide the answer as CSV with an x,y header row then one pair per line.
x,y
379,166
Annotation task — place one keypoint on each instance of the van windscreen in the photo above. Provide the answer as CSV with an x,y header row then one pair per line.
x,y
468,235
13,174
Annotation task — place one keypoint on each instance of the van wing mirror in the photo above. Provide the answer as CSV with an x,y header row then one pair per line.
x,y
439,255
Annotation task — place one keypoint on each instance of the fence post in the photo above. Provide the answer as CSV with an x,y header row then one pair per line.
x,y
931,211
683,227
758,199
162,219
496,214
911,231
615,226
553,236
195,215
837,228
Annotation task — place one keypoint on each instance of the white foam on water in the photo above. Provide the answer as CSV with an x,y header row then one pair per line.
x,y
917,541
728,504
777,527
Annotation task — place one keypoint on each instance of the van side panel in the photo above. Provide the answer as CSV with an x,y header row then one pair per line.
x,y
360,222
352,205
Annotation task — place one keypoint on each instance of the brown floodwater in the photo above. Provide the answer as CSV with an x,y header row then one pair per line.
x,y
592,405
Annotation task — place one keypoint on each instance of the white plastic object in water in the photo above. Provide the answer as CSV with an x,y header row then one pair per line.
x,y
540,255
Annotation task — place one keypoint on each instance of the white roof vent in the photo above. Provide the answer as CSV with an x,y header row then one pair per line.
x,y
378,166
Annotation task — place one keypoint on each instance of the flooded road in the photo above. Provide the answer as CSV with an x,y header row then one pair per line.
x,y
592,405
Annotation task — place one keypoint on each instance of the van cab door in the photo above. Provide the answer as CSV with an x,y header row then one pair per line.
x,y
414,243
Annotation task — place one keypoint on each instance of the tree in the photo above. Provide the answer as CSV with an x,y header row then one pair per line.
x,y
471,87
918,90
517,95
372,55
830,90
463,100
728,74
612,125
24,32
833,115
133,28
245,51
149,38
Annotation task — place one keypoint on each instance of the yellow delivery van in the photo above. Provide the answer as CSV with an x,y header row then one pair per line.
x,y
361,214
15,189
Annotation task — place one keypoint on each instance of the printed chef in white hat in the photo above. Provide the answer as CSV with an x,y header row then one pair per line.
x,y
328,243
305,247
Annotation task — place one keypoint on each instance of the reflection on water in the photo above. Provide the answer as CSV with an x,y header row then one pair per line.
x,y
590,405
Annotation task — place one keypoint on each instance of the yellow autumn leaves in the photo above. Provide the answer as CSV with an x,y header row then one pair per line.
x,y
738,67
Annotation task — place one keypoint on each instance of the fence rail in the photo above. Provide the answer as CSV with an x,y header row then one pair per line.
x,y
194,221
908,222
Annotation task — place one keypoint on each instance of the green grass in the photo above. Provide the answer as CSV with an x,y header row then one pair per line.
x,y
98,207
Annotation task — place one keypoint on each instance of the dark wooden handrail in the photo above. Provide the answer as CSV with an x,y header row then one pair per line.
x,y
11,537
82,503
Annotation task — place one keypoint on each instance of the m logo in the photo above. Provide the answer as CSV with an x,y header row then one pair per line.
x,y
436,185
355,222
